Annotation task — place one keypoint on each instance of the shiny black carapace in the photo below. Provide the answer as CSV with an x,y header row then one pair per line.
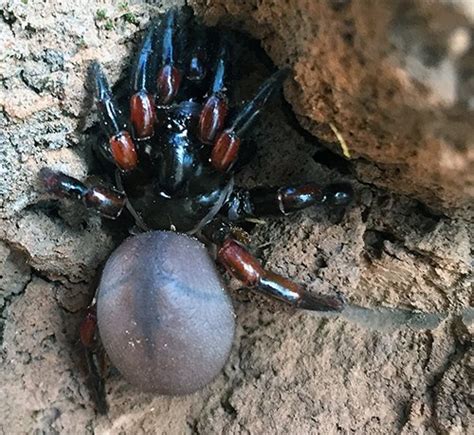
x,y
175,158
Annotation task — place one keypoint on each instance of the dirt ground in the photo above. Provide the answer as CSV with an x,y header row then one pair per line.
x,y
397,360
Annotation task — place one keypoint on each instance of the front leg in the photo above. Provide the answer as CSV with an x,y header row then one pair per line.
x,y
121,146
264,201
215,108
169,76
142,104
241,264
225,149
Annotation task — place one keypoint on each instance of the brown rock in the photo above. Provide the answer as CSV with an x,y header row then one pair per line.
x,y
395,79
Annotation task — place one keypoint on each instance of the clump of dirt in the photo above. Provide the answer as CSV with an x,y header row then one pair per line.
x,y
395,80
395,361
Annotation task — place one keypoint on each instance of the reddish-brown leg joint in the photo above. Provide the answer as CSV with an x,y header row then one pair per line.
x,y
225,150
245,267
88,328
240,263
211,120
142,115
169,79
108,202
299,197
87,333
123,151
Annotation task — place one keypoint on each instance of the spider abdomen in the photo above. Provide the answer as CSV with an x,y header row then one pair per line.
x,y
164,317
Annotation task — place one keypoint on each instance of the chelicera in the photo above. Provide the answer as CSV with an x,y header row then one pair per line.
x,y
161,312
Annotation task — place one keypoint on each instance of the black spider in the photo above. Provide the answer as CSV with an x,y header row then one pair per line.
x,y
162,313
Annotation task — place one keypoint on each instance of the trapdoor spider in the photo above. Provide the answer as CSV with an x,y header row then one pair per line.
x,y
162,314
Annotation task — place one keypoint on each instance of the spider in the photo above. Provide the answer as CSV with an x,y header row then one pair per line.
x,y
161,312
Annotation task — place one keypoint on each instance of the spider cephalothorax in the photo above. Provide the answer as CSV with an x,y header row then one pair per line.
x,y
163,316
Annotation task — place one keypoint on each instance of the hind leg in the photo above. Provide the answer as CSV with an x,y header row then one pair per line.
x,y
241,264
263,201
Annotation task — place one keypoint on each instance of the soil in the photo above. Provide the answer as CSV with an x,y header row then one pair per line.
x,y
398,359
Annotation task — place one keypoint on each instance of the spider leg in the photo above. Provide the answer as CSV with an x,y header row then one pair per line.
x,y
215,109
87,333
263,201
226,146
169,76
241,264
107,201
122,148
142,104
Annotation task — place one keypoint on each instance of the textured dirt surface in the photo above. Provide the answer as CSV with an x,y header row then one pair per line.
x,y
395,79
381,367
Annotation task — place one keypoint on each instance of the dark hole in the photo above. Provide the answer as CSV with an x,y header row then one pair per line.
x,y
321,262
374,241
339,5
332,161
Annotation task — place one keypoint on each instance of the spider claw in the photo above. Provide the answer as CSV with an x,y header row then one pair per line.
x,y
145,63
252,108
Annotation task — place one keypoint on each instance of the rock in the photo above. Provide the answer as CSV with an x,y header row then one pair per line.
x,y
394,79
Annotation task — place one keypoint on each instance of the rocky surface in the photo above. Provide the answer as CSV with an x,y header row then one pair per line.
x,y
396,80
402,249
